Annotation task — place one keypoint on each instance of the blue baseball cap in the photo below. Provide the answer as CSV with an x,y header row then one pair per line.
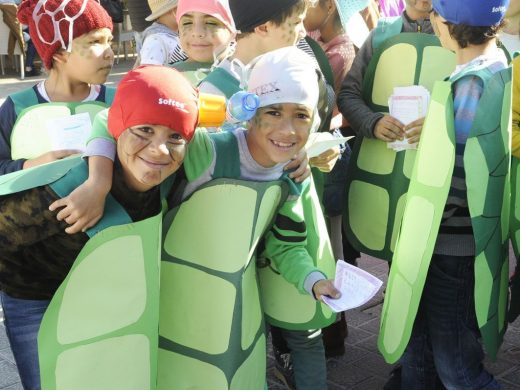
x,y
477,13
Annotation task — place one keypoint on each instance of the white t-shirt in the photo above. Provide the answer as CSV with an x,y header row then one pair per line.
x,y
158,49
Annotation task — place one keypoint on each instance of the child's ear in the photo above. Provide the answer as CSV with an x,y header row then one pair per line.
x,y
61,56
263,29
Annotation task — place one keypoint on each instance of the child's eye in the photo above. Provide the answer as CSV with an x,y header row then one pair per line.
x,y
273,113
303,115
187,23
142,132
177,139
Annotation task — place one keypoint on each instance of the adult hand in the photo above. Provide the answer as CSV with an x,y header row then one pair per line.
x,y
389,129
49,157
325,287
326,161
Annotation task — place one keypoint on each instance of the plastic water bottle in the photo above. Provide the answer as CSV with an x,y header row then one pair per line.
x,y
241,107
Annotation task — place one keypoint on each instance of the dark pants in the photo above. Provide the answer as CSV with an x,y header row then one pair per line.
x,y
445,336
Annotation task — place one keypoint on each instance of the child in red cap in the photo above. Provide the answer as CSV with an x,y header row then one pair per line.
x,y
73,39
35,253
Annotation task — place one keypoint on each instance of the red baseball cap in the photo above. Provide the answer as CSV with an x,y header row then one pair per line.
x,y
155,95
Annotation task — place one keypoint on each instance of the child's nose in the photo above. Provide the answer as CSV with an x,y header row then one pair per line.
x,y
199,30
163,149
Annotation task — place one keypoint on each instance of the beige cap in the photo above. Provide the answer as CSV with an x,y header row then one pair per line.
x,y
160,7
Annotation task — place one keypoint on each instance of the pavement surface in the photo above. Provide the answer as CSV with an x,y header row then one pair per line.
x,y
362,367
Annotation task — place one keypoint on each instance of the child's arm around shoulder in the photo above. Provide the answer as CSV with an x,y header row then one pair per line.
x,y
84,206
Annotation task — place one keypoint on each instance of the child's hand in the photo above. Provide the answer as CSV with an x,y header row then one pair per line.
x,y
49,157
325,287
389,129
326,161
301,163
413,130
82,208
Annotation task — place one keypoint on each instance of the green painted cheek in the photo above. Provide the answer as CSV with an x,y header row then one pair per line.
x,y
252,370
392,58
214,253
361,211
383,165
83,304
113,357
177,371
205,304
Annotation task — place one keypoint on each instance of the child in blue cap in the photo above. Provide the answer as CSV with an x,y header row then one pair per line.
x,y
449,327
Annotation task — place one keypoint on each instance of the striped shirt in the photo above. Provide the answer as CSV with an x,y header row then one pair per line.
x,y
456,233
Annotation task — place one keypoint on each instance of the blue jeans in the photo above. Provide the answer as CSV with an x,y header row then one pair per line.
x,y
445,336
22,322
308,358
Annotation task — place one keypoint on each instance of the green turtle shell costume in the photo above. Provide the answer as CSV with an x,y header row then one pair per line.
x,y
378,177
211,328
487,163
30,137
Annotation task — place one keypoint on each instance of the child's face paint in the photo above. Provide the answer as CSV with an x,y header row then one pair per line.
x,y
149,154
91,58
277,132
202,35
288,33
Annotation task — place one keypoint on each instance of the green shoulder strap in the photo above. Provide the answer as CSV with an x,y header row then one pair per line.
x,y
227,161
24,99
110,92
37,176
378,177
100,329
211,329
429,187
283,305
487,160
113,214
386,28
322,59
30,136
224,81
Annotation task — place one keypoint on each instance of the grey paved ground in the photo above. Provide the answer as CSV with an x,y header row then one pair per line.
x,y
361,368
